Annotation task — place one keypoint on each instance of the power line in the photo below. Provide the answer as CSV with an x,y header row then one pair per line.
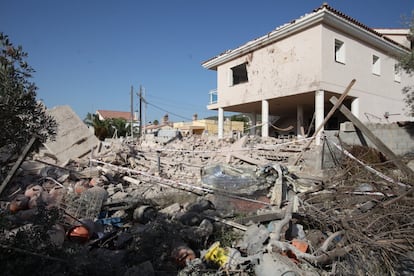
x,y
173,105
172,113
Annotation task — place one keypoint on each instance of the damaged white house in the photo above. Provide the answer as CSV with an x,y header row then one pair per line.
x,y
286,77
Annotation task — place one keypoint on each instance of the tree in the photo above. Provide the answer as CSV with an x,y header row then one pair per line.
x,y
91,119
100,126
107,128
407,64
241,118
120,126
21,115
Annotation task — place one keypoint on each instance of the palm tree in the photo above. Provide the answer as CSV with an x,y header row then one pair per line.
x,y
119,125
100,127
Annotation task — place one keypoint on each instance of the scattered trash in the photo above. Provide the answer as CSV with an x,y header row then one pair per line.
x,y
226,258
186,206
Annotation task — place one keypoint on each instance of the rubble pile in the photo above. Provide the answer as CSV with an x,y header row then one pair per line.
x,y
202,206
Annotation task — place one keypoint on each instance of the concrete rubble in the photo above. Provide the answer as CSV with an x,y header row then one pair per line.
x,y
74,139
197,205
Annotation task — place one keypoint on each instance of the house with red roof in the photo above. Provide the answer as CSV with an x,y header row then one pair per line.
x,y
111,114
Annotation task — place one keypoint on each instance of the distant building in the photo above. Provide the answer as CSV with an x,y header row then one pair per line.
x,y
111,114
164,124
205,126
287,77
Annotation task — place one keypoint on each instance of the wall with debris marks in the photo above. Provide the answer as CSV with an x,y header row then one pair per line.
x,y
280,69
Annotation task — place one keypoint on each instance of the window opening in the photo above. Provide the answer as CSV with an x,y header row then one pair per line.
x,y
376,65
397,73
339,51
239,73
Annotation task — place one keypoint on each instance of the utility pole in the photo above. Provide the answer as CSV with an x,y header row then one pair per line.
x,y
140,111
132,112
144,107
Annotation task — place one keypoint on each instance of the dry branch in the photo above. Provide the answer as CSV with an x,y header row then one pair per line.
x,y
325,258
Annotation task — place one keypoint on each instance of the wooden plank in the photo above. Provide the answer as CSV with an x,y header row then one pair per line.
x,y
328,116
248,159
261,218
374,139
17,164
228,222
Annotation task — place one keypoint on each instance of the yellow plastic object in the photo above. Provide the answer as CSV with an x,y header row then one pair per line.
x,y
217,254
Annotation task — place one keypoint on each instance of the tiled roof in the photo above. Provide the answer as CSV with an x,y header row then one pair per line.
x,y
111,114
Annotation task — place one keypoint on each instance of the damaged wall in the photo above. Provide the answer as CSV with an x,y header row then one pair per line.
x,y
397,137
270,70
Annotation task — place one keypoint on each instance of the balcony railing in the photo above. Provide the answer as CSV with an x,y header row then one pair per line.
x,y
213,96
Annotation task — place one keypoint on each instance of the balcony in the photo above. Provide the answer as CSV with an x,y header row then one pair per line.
x,y
213,96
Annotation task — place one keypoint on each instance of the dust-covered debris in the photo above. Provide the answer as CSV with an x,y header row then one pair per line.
x,y
201,206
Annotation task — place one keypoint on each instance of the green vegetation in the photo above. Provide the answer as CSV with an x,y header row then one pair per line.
x,y
407,64
107,128
22,116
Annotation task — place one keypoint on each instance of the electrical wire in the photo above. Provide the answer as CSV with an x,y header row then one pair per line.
x,y
169,112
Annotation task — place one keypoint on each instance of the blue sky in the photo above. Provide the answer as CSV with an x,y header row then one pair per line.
x,y
88,53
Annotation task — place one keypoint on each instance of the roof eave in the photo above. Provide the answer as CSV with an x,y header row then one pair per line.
x,y
319,16
378,41
284,31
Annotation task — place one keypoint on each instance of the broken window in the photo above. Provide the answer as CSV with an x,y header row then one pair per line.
x,y
239,74
339,51
376,65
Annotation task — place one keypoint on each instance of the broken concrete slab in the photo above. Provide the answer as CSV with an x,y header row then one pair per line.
x,y
73,139
132,181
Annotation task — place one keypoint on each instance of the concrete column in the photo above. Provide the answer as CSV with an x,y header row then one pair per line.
x,y
250,124
299,120
265,118
355,107
319,113
220,122
253,130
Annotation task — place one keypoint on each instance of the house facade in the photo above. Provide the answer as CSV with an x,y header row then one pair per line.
x,y
284,79
210,127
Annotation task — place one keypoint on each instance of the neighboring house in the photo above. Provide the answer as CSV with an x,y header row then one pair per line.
x,y
206,126
127,116
148,129
165,124
286,77
110,114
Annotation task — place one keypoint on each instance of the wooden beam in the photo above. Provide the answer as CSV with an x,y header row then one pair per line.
x,y
261,218
228,222
374,139
328,116
17,164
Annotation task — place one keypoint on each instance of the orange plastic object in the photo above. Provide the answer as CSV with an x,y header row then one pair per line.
x,y
301,245
79,233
